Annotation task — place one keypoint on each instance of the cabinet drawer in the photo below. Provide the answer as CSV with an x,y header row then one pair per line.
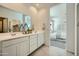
x,y
13,41
40,39
41,36
32,41
31,44
33,36
33,47
40,43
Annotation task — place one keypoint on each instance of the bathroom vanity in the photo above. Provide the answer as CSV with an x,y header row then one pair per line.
x,y
12,41
20,44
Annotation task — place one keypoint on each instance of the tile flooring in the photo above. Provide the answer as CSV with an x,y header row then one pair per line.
x,y
58,43
51,51
55,51
42,51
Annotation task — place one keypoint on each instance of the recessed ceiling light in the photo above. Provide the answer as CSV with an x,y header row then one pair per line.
x,y
37,4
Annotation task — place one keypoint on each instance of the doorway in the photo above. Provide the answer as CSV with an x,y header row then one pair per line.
x,y
58,27
3,25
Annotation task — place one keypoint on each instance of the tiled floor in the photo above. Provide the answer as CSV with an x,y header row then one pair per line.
x,y
51,51
42,51
58,43
55,51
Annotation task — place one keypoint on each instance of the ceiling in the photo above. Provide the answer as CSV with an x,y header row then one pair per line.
x,y
41,5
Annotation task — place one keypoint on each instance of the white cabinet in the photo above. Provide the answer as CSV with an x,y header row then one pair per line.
x,y
16,47
33,43
36,41
40,39
23,48
9,51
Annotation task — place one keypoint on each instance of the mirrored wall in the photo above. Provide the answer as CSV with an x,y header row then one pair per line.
x,y
13,21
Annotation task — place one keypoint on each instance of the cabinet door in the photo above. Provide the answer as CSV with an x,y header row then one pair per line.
x,y
40,39
9,51
23,48
33,43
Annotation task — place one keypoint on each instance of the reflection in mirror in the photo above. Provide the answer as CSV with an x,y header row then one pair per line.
x,y
27,24
13,21
3,25
12,18
14,25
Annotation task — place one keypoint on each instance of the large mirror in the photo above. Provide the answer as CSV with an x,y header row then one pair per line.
x,y
13,21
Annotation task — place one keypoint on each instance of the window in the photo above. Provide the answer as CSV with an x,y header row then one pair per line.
x,y
28,22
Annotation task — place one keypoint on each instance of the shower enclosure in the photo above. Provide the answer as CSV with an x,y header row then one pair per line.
x,y
58,26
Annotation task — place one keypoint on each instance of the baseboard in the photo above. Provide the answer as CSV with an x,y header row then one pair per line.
x,y
36,49
77,52
70,52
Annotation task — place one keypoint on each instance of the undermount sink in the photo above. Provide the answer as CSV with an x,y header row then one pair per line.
x,y
13,34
